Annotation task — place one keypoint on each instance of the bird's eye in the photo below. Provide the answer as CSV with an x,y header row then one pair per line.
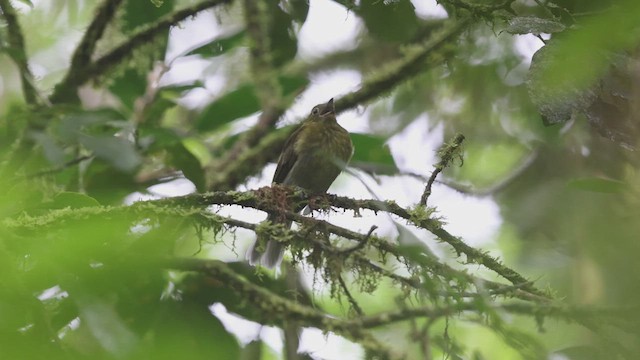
x,y
315,111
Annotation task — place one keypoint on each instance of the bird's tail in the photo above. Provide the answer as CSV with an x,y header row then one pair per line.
x,y
265,251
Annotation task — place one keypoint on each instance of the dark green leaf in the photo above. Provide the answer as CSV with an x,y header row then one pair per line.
x,y
219,46
371,149
27,2
389,20
141,12
298,9
184,160
240,103
52,150
233,105
129,86
292,84
120,153
556,96
165,99
284,44
533,25
189,331
108,186
600,185
101,319
101,121
179,156
72,200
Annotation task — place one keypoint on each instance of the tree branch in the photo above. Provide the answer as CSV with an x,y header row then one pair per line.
x,y
65,90
279,310
261,199
276,309
413,62
266,148
447,154
84,51
18,53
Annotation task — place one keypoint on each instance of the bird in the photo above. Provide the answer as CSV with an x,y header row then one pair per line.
x,y
311,159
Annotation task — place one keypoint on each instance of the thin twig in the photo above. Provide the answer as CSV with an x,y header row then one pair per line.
x,y
60,168
360,244
352,301
447,154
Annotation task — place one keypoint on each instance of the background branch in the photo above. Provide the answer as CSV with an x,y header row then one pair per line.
x,y
17,52
62,91
234,170
84,51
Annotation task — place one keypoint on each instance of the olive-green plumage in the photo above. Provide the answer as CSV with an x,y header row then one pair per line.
x,y
312,158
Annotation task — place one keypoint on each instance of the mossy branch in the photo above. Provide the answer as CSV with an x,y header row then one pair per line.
x,y
84,51
277,309
17,52
261,199
417,58
454,295
65,90
447,154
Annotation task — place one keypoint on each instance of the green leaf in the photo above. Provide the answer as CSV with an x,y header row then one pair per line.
x,y
188,330
241,102
298,9
292,84
52,150
219,46
165,99
100,121
284,44
600,185
120,153
72,200
238,103
142,12
107,327
107,186
371,149
27,2
555,95
178,155
533,25
129,86
184,160
394,21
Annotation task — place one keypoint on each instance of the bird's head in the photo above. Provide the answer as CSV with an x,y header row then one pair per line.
x,y
323,112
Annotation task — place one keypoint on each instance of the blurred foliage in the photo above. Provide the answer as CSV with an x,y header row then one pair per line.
x,y
551,138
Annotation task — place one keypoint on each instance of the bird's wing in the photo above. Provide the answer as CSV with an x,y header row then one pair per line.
x,y
287,158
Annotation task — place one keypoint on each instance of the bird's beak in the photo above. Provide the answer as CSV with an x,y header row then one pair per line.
x,y
328,109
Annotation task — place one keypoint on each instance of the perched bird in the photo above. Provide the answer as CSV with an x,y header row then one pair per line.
x,y
312,158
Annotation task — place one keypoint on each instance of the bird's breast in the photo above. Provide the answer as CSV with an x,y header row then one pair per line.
x,y
326,140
